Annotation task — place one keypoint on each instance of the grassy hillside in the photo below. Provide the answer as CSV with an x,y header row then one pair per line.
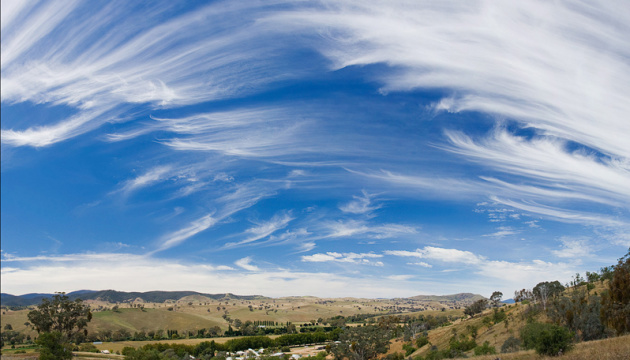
x,y
617,348
196,311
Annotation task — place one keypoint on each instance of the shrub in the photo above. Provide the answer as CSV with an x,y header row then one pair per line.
x,y
408,349
88,348
512,344
546,339
498,316
485,349
421,341
395,356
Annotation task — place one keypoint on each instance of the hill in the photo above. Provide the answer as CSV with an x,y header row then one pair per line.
x,y
461,297
113,296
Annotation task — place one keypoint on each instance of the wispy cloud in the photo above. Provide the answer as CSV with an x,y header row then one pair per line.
x,y
421,263
577,154
353,258
264,229
429,45
151,176
50,56
360,204
350,228
573,248
546,161
503,231
181,235
564,215
245,263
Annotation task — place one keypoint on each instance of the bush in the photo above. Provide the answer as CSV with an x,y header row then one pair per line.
x,y
88,348
395,356
421,341
546,339
498,316
408,349
512,344
485,349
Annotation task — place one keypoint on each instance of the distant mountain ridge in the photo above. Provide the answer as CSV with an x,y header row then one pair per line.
x,y
114,296
461,297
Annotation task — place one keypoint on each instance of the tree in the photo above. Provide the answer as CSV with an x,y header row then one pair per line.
x,y
361,343
578,312
616,302
53,346
61,315
523,295
59,321
495,298
476,307
546,290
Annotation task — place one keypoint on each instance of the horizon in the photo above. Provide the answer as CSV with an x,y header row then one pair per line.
x,y
344,149
243,295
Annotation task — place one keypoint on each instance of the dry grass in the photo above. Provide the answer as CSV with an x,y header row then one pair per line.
x,y
494,334
203,313
608,349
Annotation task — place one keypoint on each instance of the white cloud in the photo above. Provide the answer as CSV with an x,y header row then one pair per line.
x,y
520,275
152,176
138,273
563,215
223,177
40,136
546,161
503,231
265,229
573,248
404,253
440,254
421,263
179,236
352,228
85,257
478,48
129,272
305,247
353,258
49,56
451,255
245,263
360,204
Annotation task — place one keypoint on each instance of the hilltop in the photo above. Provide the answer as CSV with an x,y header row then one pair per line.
x,y
113,296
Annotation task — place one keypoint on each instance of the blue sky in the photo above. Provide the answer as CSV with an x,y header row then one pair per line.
x,y
345,148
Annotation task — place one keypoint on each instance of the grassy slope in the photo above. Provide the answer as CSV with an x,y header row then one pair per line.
x,y
202,312
495,334
607,349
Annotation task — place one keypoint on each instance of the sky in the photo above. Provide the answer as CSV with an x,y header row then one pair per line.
x,y
325,148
